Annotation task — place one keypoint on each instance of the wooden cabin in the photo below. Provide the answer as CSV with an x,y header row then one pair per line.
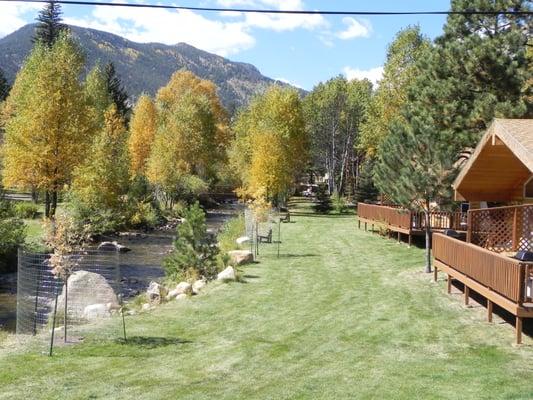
x,y
500,171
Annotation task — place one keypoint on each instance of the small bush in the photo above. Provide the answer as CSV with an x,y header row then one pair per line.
x,y
195,252
12,235
25,210
232,229
339,204
144,215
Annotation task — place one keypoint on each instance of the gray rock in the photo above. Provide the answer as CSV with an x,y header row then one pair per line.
x,y
155,292
198,285
227,275
95,311
239,257
182,296
113,246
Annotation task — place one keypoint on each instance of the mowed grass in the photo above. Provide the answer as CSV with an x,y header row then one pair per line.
x,y
342,314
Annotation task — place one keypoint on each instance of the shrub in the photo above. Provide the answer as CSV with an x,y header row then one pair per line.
x,y
339,204
195,252
96,221
232,229
12,235
25,209
323,200
144,215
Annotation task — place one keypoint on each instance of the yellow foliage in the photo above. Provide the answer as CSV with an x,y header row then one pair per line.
x,y
142,133
47,129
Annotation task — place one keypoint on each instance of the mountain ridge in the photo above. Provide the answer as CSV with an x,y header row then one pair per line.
x,y
145,67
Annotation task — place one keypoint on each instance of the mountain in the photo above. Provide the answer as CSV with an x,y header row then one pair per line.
x,y
145,67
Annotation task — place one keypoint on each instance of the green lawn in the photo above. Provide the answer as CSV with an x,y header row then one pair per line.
x,y
342,314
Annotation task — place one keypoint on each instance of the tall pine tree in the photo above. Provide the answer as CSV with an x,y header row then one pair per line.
x,y
50,24
4,86
116,91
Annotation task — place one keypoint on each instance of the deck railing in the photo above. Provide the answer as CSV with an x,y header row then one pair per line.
x,y
411,220
502,229
504,275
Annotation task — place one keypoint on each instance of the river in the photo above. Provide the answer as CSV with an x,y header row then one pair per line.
x,y
138,267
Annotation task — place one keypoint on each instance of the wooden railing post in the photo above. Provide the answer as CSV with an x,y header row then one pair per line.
x,y
469,226
515,229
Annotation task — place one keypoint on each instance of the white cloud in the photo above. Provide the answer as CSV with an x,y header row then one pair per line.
x,y
374,75
223,37
170,27
356,28
12,16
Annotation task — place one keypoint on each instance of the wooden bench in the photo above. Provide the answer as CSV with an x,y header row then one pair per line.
x,y
265,238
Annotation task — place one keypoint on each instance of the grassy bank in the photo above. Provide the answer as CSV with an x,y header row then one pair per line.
x,y
341,314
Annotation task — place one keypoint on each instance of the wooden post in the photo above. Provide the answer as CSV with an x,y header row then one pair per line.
x,y
469,226
489,311
518,328
435,273
365,226
467,295
515,229
449,284
359,223
372,228
410,239
399,237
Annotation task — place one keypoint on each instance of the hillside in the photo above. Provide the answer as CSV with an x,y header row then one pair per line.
x,y
145,67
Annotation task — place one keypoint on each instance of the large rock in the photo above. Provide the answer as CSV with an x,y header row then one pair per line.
x,y
155,292
182,296
227,275
85,289
181,288
239,257
198,285
113,246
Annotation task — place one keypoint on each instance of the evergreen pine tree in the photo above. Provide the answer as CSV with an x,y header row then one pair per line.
x,y
366,190
4,86
415,168
50,24
323,199
116,91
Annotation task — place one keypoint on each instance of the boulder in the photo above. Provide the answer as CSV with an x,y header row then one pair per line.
x,y
227,275
95,311
155,292
184,287
84,289
242,240
182,296
239,257
113,246
146,307
198,285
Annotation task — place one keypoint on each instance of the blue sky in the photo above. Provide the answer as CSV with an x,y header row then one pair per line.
x,y
302,50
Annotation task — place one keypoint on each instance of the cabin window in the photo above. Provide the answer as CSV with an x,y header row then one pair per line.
x,y
528,188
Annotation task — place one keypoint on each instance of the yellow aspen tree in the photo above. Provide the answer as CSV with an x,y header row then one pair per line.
x,y
102,181
142,133
47,132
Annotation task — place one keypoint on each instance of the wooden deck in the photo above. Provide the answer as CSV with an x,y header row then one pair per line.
x,y
500,279
411,223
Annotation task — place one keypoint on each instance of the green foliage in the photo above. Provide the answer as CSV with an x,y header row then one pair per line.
x,y
366,190
334,113
230,232
25,210
116,91
4,86
49,25
12,235
97,220
339,204
323,199
144,215
194,252
387,101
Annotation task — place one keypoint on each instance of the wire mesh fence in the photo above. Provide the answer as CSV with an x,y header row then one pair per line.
x,y
91,291
261,227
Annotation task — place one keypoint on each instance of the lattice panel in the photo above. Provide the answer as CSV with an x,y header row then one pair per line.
x,y
502,229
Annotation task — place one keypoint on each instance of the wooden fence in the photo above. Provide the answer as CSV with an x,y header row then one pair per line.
x,y
394,216
502,229
496,272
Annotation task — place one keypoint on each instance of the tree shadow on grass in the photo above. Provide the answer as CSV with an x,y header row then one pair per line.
x,y
297,255
151,342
